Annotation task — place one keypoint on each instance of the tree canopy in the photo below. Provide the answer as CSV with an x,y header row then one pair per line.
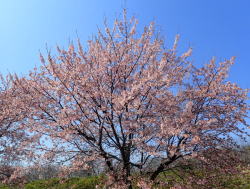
x,y
128,101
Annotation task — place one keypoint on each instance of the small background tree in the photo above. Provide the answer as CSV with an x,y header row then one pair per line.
x,y
15,141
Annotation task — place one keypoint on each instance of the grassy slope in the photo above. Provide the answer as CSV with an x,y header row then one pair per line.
x,y
239,182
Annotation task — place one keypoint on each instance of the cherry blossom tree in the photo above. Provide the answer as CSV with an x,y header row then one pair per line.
x,y
127,100
14,140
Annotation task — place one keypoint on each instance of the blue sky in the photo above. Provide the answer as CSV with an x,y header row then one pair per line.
x,y
218,28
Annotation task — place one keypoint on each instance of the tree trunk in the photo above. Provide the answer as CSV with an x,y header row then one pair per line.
x,y
127,175
126,166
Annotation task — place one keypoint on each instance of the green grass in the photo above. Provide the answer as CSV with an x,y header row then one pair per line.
x,y
3,187
56,183
218,180
221,182
71,183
